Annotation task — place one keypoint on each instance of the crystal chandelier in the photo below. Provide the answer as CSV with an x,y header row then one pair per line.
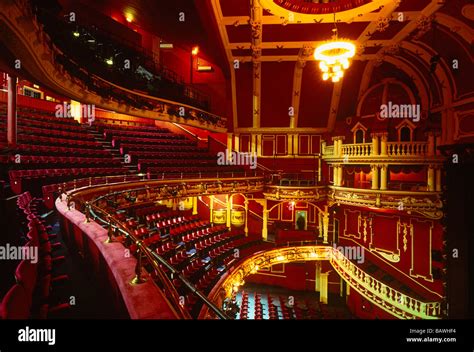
x,y
334,57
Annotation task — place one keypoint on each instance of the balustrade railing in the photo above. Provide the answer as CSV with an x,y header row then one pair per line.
x,y
401,149
400,304
355,150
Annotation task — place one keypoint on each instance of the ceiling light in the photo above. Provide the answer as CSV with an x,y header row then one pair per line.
x,y
334,56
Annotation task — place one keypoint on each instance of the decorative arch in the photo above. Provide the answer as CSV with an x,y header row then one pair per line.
x,y
384,83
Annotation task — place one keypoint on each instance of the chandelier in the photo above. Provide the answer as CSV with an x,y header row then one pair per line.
x,y
334,56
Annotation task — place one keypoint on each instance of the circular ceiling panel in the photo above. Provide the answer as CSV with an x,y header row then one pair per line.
x,y
300,11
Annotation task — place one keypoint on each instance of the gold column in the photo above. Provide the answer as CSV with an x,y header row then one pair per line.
x,y
246,229
375,144
336,146
431,179
375,176
383,176
229,145
253,144
438,179
383,144
335,175
259,145
211,209
340,174
320,223
295,144
323,147
228,203
323,287
265,221
195,205
317,272
290,144
325,224
237,142
319,169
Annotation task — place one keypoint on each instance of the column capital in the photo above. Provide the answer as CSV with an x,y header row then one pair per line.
x,y
337,138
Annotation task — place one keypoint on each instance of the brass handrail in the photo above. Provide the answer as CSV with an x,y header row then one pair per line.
x,y
155,260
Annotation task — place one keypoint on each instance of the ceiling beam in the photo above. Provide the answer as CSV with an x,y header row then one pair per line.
x,y
279,58
269,20
296,44
216,8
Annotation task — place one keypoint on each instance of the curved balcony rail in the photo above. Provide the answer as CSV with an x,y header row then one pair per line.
x,y
296,193
387,298
42,59
95,213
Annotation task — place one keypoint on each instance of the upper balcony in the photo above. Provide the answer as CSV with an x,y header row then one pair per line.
x,y
381,150
43,60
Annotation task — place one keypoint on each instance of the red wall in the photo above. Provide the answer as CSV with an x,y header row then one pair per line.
x,y
416,264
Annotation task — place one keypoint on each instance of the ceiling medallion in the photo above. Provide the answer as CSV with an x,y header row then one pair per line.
x,y
334,57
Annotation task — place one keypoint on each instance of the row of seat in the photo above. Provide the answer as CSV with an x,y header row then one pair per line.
x,y
55,133
140,134
26,122
244,307
31,296
41,140
47,160
132,147
150,142
18,177
104,126
57,150
201,154
143,165
192,170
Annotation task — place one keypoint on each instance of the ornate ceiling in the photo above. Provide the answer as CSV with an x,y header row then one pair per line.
x,y
269,46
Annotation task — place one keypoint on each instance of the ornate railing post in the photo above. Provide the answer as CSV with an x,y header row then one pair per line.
x,y
138,267
110,230
87,212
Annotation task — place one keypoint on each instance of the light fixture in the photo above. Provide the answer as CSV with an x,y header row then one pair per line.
x,y
205,68
195,51
76,34
109,62
334,57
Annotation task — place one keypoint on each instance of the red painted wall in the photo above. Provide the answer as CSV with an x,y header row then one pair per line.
x,y
417,263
